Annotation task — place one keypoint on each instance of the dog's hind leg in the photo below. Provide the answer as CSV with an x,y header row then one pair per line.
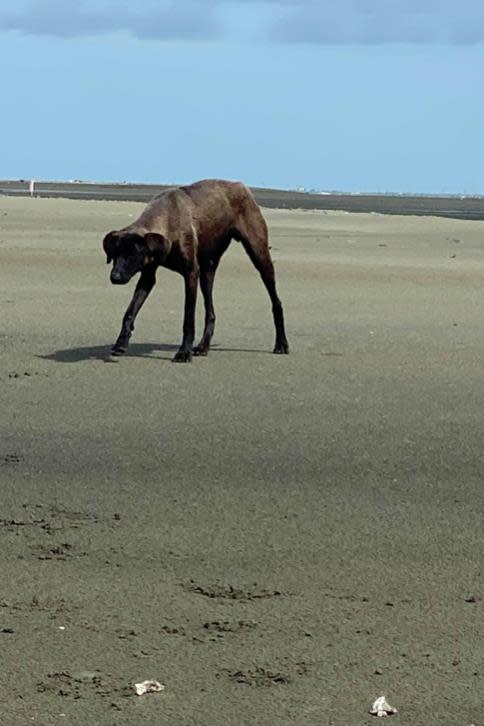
x,y
254,239
143,289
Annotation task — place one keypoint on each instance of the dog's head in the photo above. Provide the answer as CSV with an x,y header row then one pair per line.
x,y
130,252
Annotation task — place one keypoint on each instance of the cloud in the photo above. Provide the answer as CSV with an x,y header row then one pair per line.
x,y
375,22
325,22
187,20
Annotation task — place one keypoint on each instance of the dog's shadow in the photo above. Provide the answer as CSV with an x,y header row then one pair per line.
x,y
103,352
135,350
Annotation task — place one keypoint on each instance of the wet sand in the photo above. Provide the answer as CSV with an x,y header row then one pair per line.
x,y
451,206
278,540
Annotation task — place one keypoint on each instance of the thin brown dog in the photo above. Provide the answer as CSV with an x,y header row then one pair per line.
x,y
187,229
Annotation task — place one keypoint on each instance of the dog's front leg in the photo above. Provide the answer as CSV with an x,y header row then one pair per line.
x,y
143,289
184,353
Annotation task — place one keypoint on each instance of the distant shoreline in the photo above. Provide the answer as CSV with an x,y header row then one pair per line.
x,y
450,206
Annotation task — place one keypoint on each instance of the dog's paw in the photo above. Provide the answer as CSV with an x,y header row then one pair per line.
x,y
183,356
281,348
200,350
117,350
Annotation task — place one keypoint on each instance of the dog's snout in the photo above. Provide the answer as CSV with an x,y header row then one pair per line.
x,y
116,278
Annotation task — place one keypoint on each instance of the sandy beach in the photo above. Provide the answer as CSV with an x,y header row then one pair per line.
x,y
276,539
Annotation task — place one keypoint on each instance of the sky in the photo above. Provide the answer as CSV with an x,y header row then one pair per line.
x,y
349,95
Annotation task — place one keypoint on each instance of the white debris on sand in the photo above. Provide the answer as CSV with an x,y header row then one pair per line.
x,y
381,708
148,687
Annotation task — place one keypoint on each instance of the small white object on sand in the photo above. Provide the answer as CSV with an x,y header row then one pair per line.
x,y
148,687
382,708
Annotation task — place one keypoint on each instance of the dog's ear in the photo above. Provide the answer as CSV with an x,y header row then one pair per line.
x,y
158,245
110,243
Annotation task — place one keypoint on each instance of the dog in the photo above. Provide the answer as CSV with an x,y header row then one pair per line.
x,y
187,229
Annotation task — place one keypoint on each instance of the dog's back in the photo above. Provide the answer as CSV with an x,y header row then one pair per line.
x,y
212,206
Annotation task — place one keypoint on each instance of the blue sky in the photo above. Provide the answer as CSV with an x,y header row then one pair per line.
x,y
354,95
